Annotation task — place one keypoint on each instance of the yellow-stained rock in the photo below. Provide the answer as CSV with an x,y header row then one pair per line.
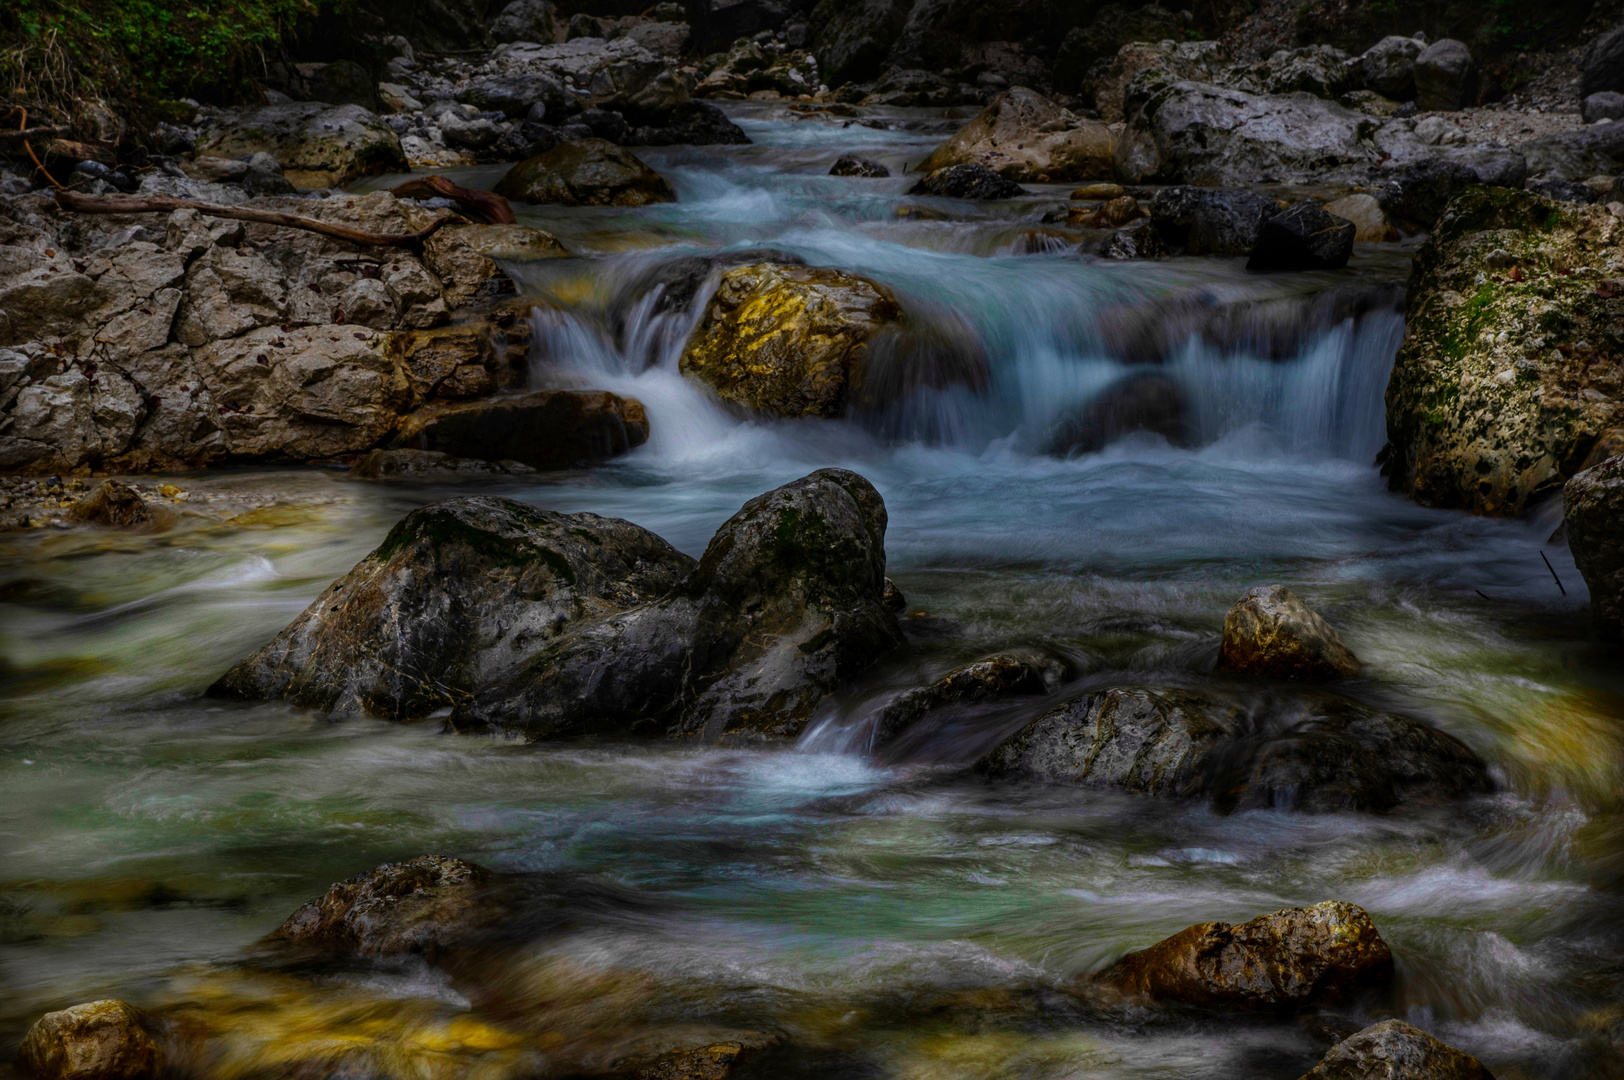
x,y
99,1040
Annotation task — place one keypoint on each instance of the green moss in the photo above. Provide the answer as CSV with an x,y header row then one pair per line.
x,y
440,527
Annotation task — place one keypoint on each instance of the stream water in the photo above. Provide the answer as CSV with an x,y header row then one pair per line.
x,y
896,916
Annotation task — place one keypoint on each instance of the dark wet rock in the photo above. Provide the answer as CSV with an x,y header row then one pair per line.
x,y
1388,67
380,464
714,1061
1593,510
99,1040
344,82
1211,221
545,429
1153,403
1284,961
893,600
1099,40
458,593
1393,1050
1303,236
423,905
1270,632
967,182
1420,191
785,605
1445,77
1305,752
115,505
852,165
1604,64
1141,240
788,340
1002,675
607,125
1607,105
852,40
1494,165
696,123
1023,136
1510,370
585,172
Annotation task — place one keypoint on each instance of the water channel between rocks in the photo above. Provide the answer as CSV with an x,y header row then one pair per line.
x,y
895,915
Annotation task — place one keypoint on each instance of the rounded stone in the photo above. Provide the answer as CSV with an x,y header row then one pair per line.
x,y
99,1040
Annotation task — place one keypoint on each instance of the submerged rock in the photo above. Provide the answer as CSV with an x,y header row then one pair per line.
x,y
1593,505
1211,221
99,1040
1023,136
788,340
787,602
547,429
115,505
1287,960
1393,1050
585,172
1153,403
458,593
1303,237
1271,633
852,165
1002,675
419,906
1512,366
1312,753
967,182
380,464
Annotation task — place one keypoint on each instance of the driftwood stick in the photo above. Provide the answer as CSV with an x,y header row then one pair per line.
x,y
87,204
6,136
482,205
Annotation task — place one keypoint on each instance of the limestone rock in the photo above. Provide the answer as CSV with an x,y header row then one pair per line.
x,y
1303,236
525,20
1271,633
99,1040
1284,961
1511,368
852,165
1388,67
1141,240
1604,64
1606,105
1445,77
1370,224
381,464
853,39
1393,1050
788,340
317,145
517,242
1596,149
423,905
585,172
1211,221
115,505
1593,509
1025,137
998,676
545,429
458,593
968,181
1166,61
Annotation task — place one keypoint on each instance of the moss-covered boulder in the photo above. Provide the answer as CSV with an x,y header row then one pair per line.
x,y
585,172
317,145
788,340
1510,371
1025,137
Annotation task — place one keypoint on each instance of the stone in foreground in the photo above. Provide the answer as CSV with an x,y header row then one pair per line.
x,y
1271,633
1303,236
547,429
1290,959
1393,1050
1023,136
99,1040
585,172
788,340
419,906
1593,505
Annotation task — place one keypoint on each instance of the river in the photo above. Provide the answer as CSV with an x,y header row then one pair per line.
x,y
893,916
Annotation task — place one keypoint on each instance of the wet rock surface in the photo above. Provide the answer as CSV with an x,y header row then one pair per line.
x,y
1148,403
998,676
423,905
1393,1050
585,172
1289,959
1303,236
99,1040
114,505
546,429
851,165
1593,513
1211,221
967,181
1271,633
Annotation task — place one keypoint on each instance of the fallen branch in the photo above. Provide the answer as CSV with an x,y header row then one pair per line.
x,y
481,205
87,204
31,132
22,122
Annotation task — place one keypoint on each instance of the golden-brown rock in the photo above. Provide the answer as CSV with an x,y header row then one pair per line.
x,y
1270,632
585,172
788,340
1025,137
1393,1050
1285,960
422,905
99,1040
115,505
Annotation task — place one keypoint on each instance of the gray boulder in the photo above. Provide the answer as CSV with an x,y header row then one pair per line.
x,y
1211,221
1393,1050
786,603
1303,237
1311,752
545,429
1388,67
1593,508
517,95
1421,191
1445,77
526,20
854,38
424,905
1139,240
1603,105
457,594
317,145
1604,65
1594,150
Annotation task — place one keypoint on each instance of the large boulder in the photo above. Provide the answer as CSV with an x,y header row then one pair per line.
x,y
1303,236
1310,752
1593,508
423,906
785,605
1388,67
789,340
317,145
854,37
1285,961
1151,62
99,1040
1445,77
1270,632
585,172
458,593
545,429
1604,64
1211,221
967,181
1605,105
1510,368
1200,133
1393,1050
1025,137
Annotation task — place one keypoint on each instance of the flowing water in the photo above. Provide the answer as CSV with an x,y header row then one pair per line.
x,y
893,916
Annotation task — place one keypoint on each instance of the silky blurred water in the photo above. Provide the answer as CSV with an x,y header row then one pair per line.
x,y
894,917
